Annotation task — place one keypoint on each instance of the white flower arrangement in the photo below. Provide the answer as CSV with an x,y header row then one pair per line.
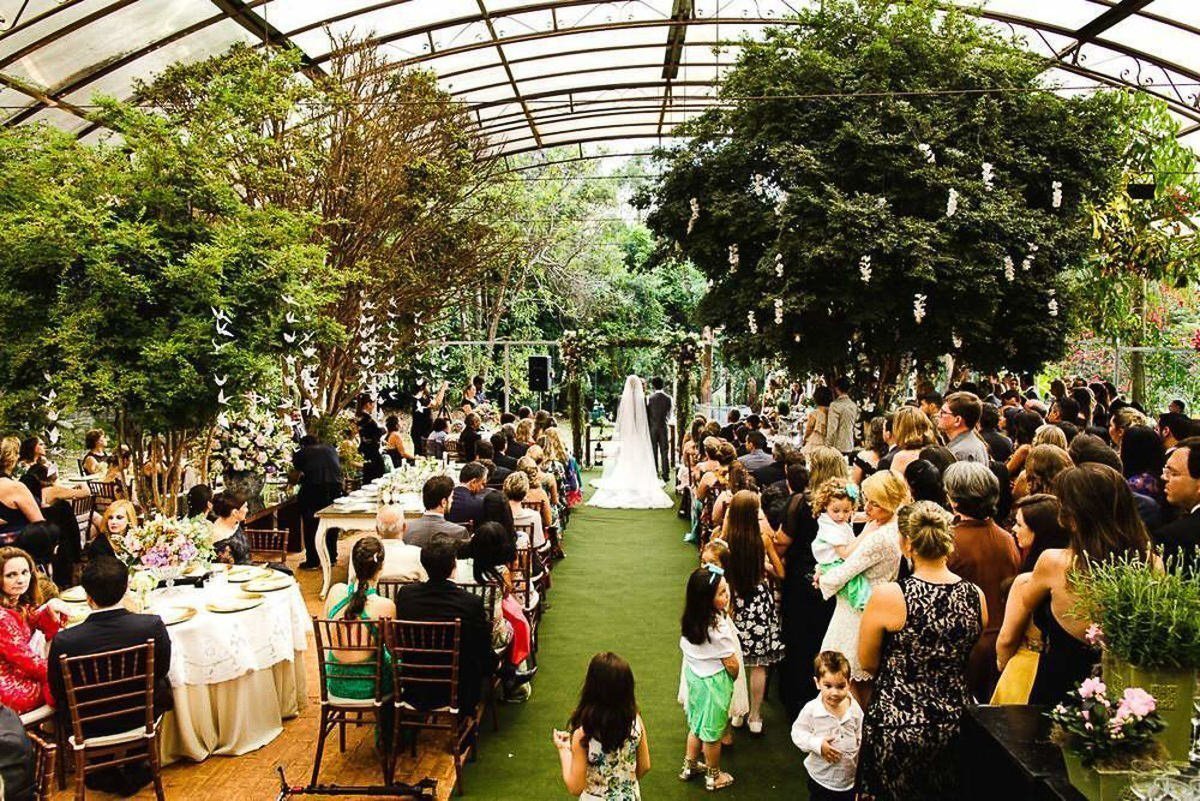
x,y
779,265
734,258
988,175
408,479
1010,270
1056,196
778,311
919,301
258,442
952,203
752,321
927,152
864,269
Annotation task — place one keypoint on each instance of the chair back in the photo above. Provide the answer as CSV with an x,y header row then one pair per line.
x,y
489,592
425,662
44,756
360,637
110,692
450,449
267,544
527,528
80,462
521,573
390,587
533,505
105,492
82,508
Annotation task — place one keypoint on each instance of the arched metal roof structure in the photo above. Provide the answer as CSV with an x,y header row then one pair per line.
x,y
539,73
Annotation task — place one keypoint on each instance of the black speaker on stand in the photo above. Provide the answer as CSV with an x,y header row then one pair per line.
x,y
539,377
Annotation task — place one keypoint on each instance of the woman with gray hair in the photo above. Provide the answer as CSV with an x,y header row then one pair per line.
x,y
984,554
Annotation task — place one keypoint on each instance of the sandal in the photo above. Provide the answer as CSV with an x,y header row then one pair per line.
x,y
716,779
691,769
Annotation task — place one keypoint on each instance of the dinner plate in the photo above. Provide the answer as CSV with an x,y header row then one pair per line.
x,y
269,584
233,605
244,573
249,596
176,614
73,595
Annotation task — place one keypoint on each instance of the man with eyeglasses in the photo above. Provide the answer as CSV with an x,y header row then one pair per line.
x,y
1181,480
957,419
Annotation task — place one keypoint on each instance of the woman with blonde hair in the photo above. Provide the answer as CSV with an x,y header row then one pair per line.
x,y
911,431
554,464
876,555
536,494
18,506
522,438
825,463
1050,434
117,519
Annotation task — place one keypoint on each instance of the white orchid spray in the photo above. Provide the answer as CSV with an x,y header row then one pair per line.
x,y
864,269
778,311
919,301
752,321
1010,270
989,175
1056,196
927,152
952,203
734,258
779,265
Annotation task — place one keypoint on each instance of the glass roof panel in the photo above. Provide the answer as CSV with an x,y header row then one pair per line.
x,y
31,29
1073,14
12,101
1166,41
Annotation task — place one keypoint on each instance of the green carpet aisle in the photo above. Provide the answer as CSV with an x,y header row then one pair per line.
x,y
621,589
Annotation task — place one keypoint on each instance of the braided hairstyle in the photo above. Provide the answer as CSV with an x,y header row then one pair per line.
x,y
367,557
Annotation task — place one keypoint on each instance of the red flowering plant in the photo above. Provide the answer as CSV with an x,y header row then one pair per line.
x,y
1100,729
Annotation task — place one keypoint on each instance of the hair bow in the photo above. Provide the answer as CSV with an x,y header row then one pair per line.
x,y
852,491
715,571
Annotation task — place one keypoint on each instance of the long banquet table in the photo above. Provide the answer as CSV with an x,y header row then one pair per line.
x,y
235,676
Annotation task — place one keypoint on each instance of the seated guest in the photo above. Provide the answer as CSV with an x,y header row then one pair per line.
x,y
983,554
440,599
110,627
467,501
516,490
117,519
500,452
497,510
360,600
757,456
495,473
436,497
18,506
1181,482
119,464
435,444
96,459
23,610
401,561
394,445
44,486
33,451
469,438
522,437
537,490
229,530
199,501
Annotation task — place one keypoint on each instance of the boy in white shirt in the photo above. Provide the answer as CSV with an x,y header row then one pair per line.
x,y
829,728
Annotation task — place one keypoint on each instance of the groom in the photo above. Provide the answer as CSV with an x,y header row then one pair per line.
x,y
658,412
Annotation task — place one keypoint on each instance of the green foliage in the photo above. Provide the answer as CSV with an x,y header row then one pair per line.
x,y
1149,618
831,113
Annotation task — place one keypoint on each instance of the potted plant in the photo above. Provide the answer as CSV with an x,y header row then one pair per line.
x,y
1106,742
1148,623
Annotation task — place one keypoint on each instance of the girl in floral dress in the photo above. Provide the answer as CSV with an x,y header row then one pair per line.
x,y
605,751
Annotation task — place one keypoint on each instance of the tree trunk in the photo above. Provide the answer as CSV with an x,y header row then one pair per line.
x,y
1137,359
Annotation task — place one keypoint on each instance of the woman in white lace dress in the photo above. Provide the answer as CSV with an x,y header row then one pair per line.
x,y
877,556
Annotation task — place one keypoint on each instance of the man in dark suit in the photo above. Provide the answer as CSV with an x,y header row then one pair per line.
x,y
500,455
436,495
438,600
320,483
466,504
485,455
658,415
730,431
110,627
1181,479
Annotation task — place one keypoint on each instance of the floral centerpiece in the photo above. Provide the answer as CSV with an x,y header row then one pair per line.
x,y
166,546
256,443
1105,738
408,478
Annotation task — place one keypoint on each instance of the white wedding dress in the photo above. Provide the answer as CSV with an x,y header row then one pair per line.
x,y
630,480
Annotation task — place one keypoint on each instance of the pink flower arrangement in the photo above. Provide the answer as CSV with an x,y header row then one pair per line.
x,y
1089,725
165,542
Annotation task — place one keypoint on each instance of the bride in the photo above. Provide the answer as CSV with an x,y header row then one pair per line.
x,y
630,480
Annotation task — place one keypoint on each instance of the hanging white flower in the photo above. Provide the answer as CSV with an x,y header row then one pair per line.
x,y
779,265
989,175
758,184
1056,194
695,206
734,259
778,311
927,152
1010,271
1052,305
955,340
952,203
864,268
781,202
919,307
1027,262
796,338
752,321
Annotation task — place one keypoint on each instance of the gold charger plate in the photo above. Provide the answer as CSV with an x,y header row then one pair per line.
x,y
74,595
270,584
176,614
245,573
228,607
249,596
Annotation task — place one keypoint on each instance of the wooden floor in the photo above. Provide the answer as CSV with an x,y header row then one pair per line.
x,y
253,776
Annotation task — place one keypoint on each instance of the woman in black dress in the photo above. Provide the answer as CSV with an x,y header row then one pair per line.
x,y
229,530
370,435
425,405
917,635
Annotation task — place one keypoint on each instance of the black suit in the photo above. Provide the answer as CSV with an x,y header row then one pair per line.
x,y
441,601
111,630
466,507
658,413
505,461
769,474
320,484
1181,539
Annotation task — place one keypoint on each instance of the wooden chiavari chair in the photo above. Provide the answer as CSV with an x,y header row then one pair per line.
x,y
267,544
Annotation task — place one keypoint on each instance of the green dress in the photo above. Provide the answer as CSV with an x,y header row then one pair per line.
x,y
357,680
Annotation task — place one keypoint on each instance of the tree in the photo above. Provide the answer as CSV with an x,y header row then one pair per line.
x,y
395,169
122,259
830,166
1144,247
